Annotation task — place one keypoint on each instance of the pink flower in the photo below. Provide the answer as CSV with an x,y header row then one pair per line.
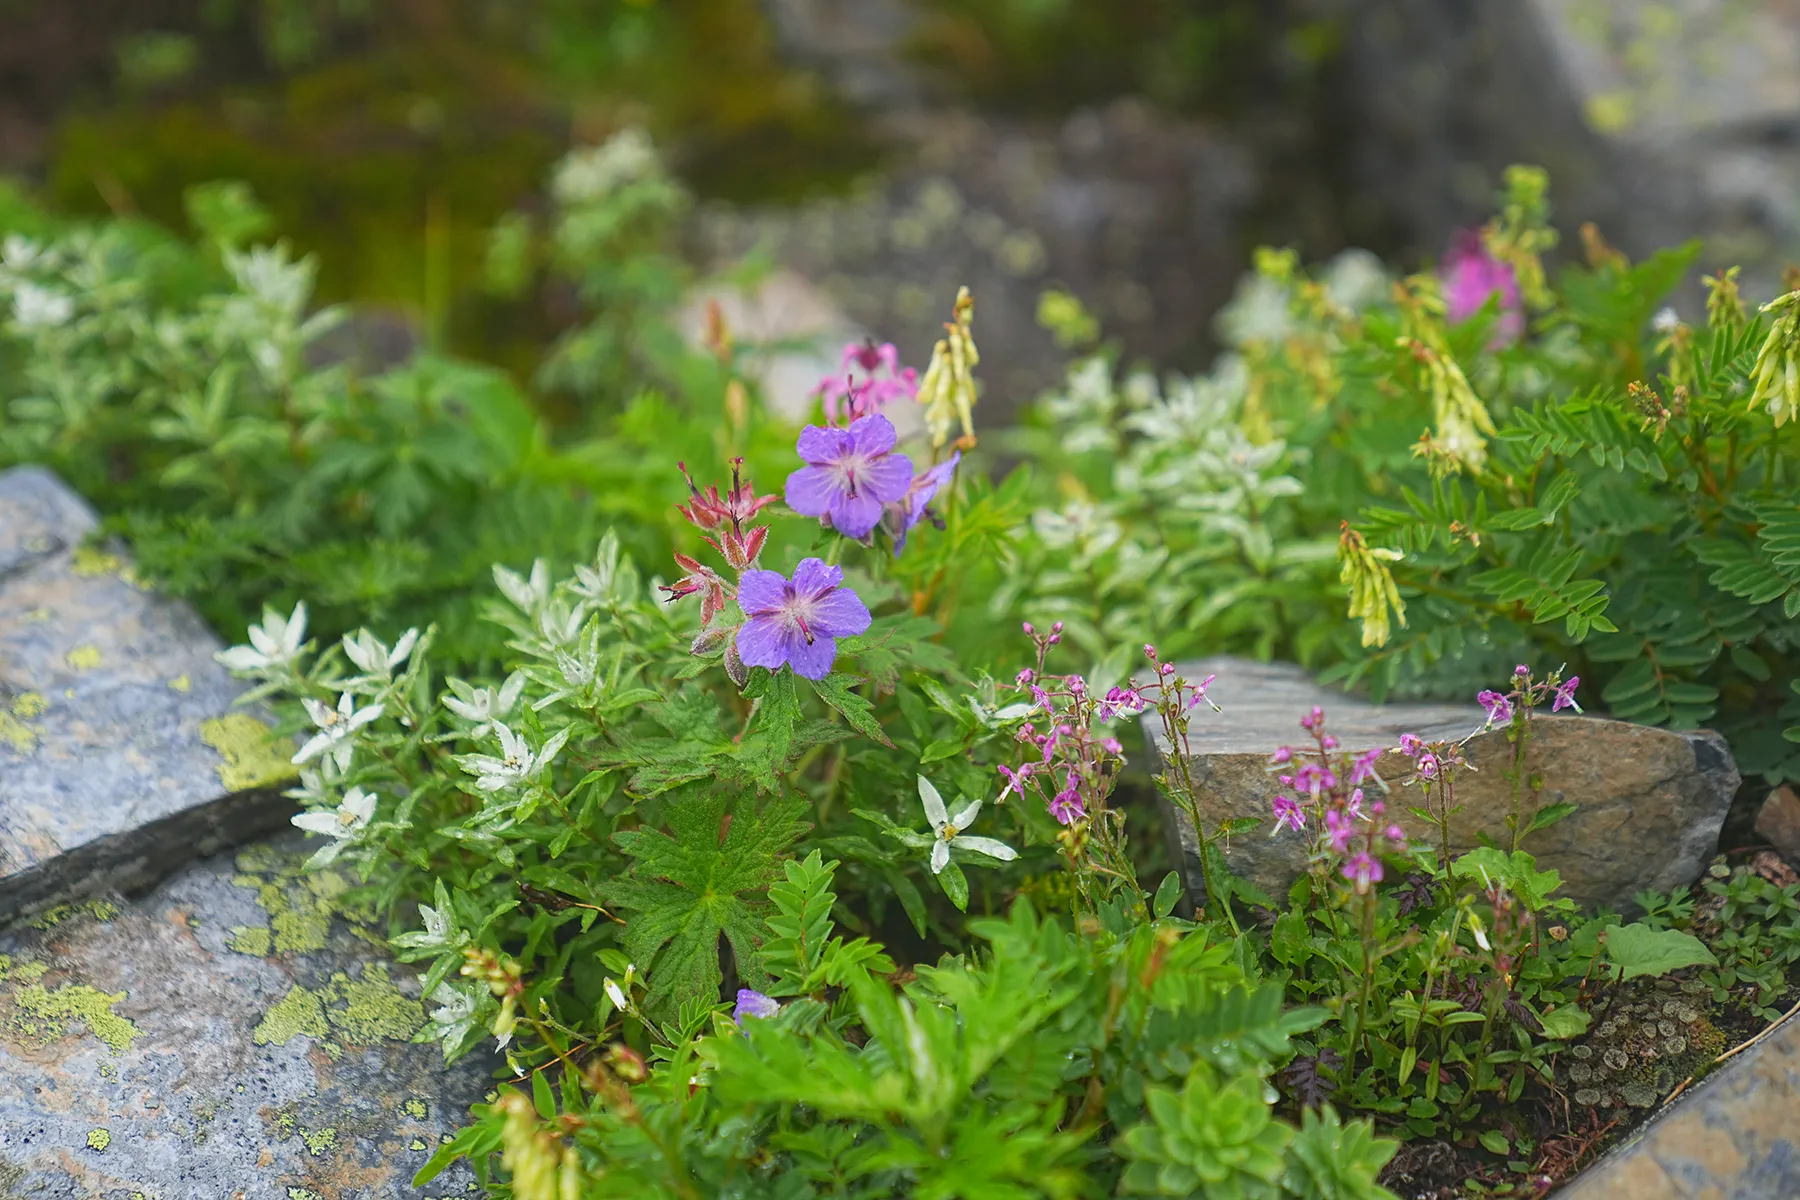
x,y
1394,833
1015,780
1283,754
1470,276
1313,719
1499,708
1066,806
882,381
1338,831
1119,701
1428,766
1411,744
1362,870
1354,807
1362,767
1112,746
1025,677
1288,814
1565,695
1312,777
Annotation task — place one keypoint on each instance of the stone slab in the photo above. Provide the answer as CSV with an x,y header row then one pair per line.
x,y
231,1035
1651,800
109,697
1732,1136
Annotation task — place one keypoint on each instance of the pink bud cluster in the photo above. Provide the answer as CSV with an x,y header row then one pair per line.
x,y
1324,785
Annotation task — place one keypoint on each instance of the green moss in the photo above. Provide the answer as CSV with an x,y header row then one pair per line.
x,y
300,1193
91,561
99,1139
41,1016
254,757
300,1011
98,908
25,972
372,1009
253,940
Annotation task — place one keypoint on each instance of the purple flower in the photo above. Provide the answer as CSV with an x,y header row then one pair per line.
x,y
1066,805
1428,766
912,508
1362,870
1394,833
1470,275
1499,708
1565,695
1288,814
797,623
1411,745
1338,830
1362,767
1120,700
849,474
1283,754
1354,807
1015,780
754,1004
1312,777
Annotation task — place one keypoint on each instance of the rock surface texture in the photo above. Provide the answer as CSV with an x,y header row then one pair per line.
x,y
1733,1136
232,1035
1651,800
121,756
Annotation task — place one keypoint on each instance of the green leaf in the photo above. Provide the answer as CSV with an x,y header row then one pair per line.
x,y
955,885
856,709
1639,950
1550,814
1565,1022
697,882
1495,1141
1518,871
1168,893
542,1098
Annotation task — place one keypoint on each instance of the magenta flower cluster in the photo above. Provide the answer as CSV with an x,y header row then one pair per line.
x,y
1324,785
1527,693
1471,276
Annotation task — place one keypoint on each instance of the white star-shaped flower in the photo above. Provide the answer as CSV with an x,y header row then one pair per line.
x,y
517,763
485,706
350,818
949,830
335,729
373,657
274,643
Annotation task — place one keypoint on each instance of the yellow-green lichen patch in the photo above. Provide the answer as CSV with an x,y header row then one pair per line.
x,y
417,1144
181,683
300,932
253,940
90,561
84,657
318,1141
25,972
99,1139
254,757
41,1016
28,706
99,908
300,1193
298,1012
415,1108
15,732
371,1009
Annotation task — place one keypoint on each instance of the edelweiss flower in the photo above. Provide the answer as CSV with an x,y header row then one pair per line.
x,y
527,595
373,657
484,706
351,818
274,643
949,830
454,1017
518,765
335,729
36,307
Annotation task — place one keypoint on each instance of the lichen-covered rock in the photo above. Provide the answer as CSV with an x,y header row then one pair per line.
x,y
232,1035
120,754
1651,800
1733,1135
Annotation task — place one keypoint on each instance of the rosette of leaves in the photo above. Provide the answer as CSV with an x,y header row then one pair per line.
x,y
1214,1137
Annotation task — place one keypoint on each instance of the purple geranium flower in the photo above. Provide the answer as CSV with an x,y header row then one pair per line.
x,y
754,1004
1470,275
1565,695
912,507
1499,708
798,622
849,474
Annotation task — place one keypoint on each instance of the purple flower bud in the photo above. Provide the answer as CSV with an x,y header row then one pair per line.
x,y
1111,746
1411,745
754,1004
1028,628
1283,754
1057,627
1166,669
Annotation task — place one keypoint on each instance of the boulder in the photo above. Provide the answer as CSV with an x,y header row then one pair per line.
x,y
231,1035
1779,821
121,755
1651,801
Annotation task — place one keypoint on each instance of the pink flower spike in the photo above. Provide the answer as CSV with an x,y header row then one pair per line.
x,y
1363,870
1565,695
1470,276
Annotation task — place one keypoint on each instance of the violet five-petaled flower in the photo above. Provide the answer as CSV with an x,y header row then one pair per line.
x,y
849,474
1411,745
797,622
1288,814
754,1004
1066,806
1565,695
1015,780
1499,708
1363,869
915,505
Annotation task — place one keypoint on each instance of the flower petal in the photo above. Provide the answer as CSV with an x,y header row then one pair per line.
x,y
812,490
813,576
811,660
760,591
887,478
319,822
763,643
940,856
854,516
966,817
822,444
987,846
935,812
840,613
873,434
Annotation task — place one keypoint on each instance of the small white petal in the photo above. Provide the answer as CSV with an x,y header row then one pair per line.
x,y
966,817
312,749
987,846
403,648
319,822
934,804
940,856
241,658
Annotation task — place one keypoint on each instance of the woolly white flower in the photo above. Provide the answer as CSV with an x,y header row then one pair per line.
x,y
580,676
350,818
35,307
949,830
485,706
373,657
455,1015
527,595
517,764
274,643
335,729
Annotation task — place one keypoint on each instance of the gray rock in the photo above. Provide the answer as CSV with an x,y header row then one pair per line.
x,y
231,1035
1651,800
1733,1135
120,754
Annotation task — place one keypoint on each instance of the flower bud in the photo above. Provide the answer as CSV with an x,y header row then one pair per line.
x,y
1056,628
626,1063
1027,627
